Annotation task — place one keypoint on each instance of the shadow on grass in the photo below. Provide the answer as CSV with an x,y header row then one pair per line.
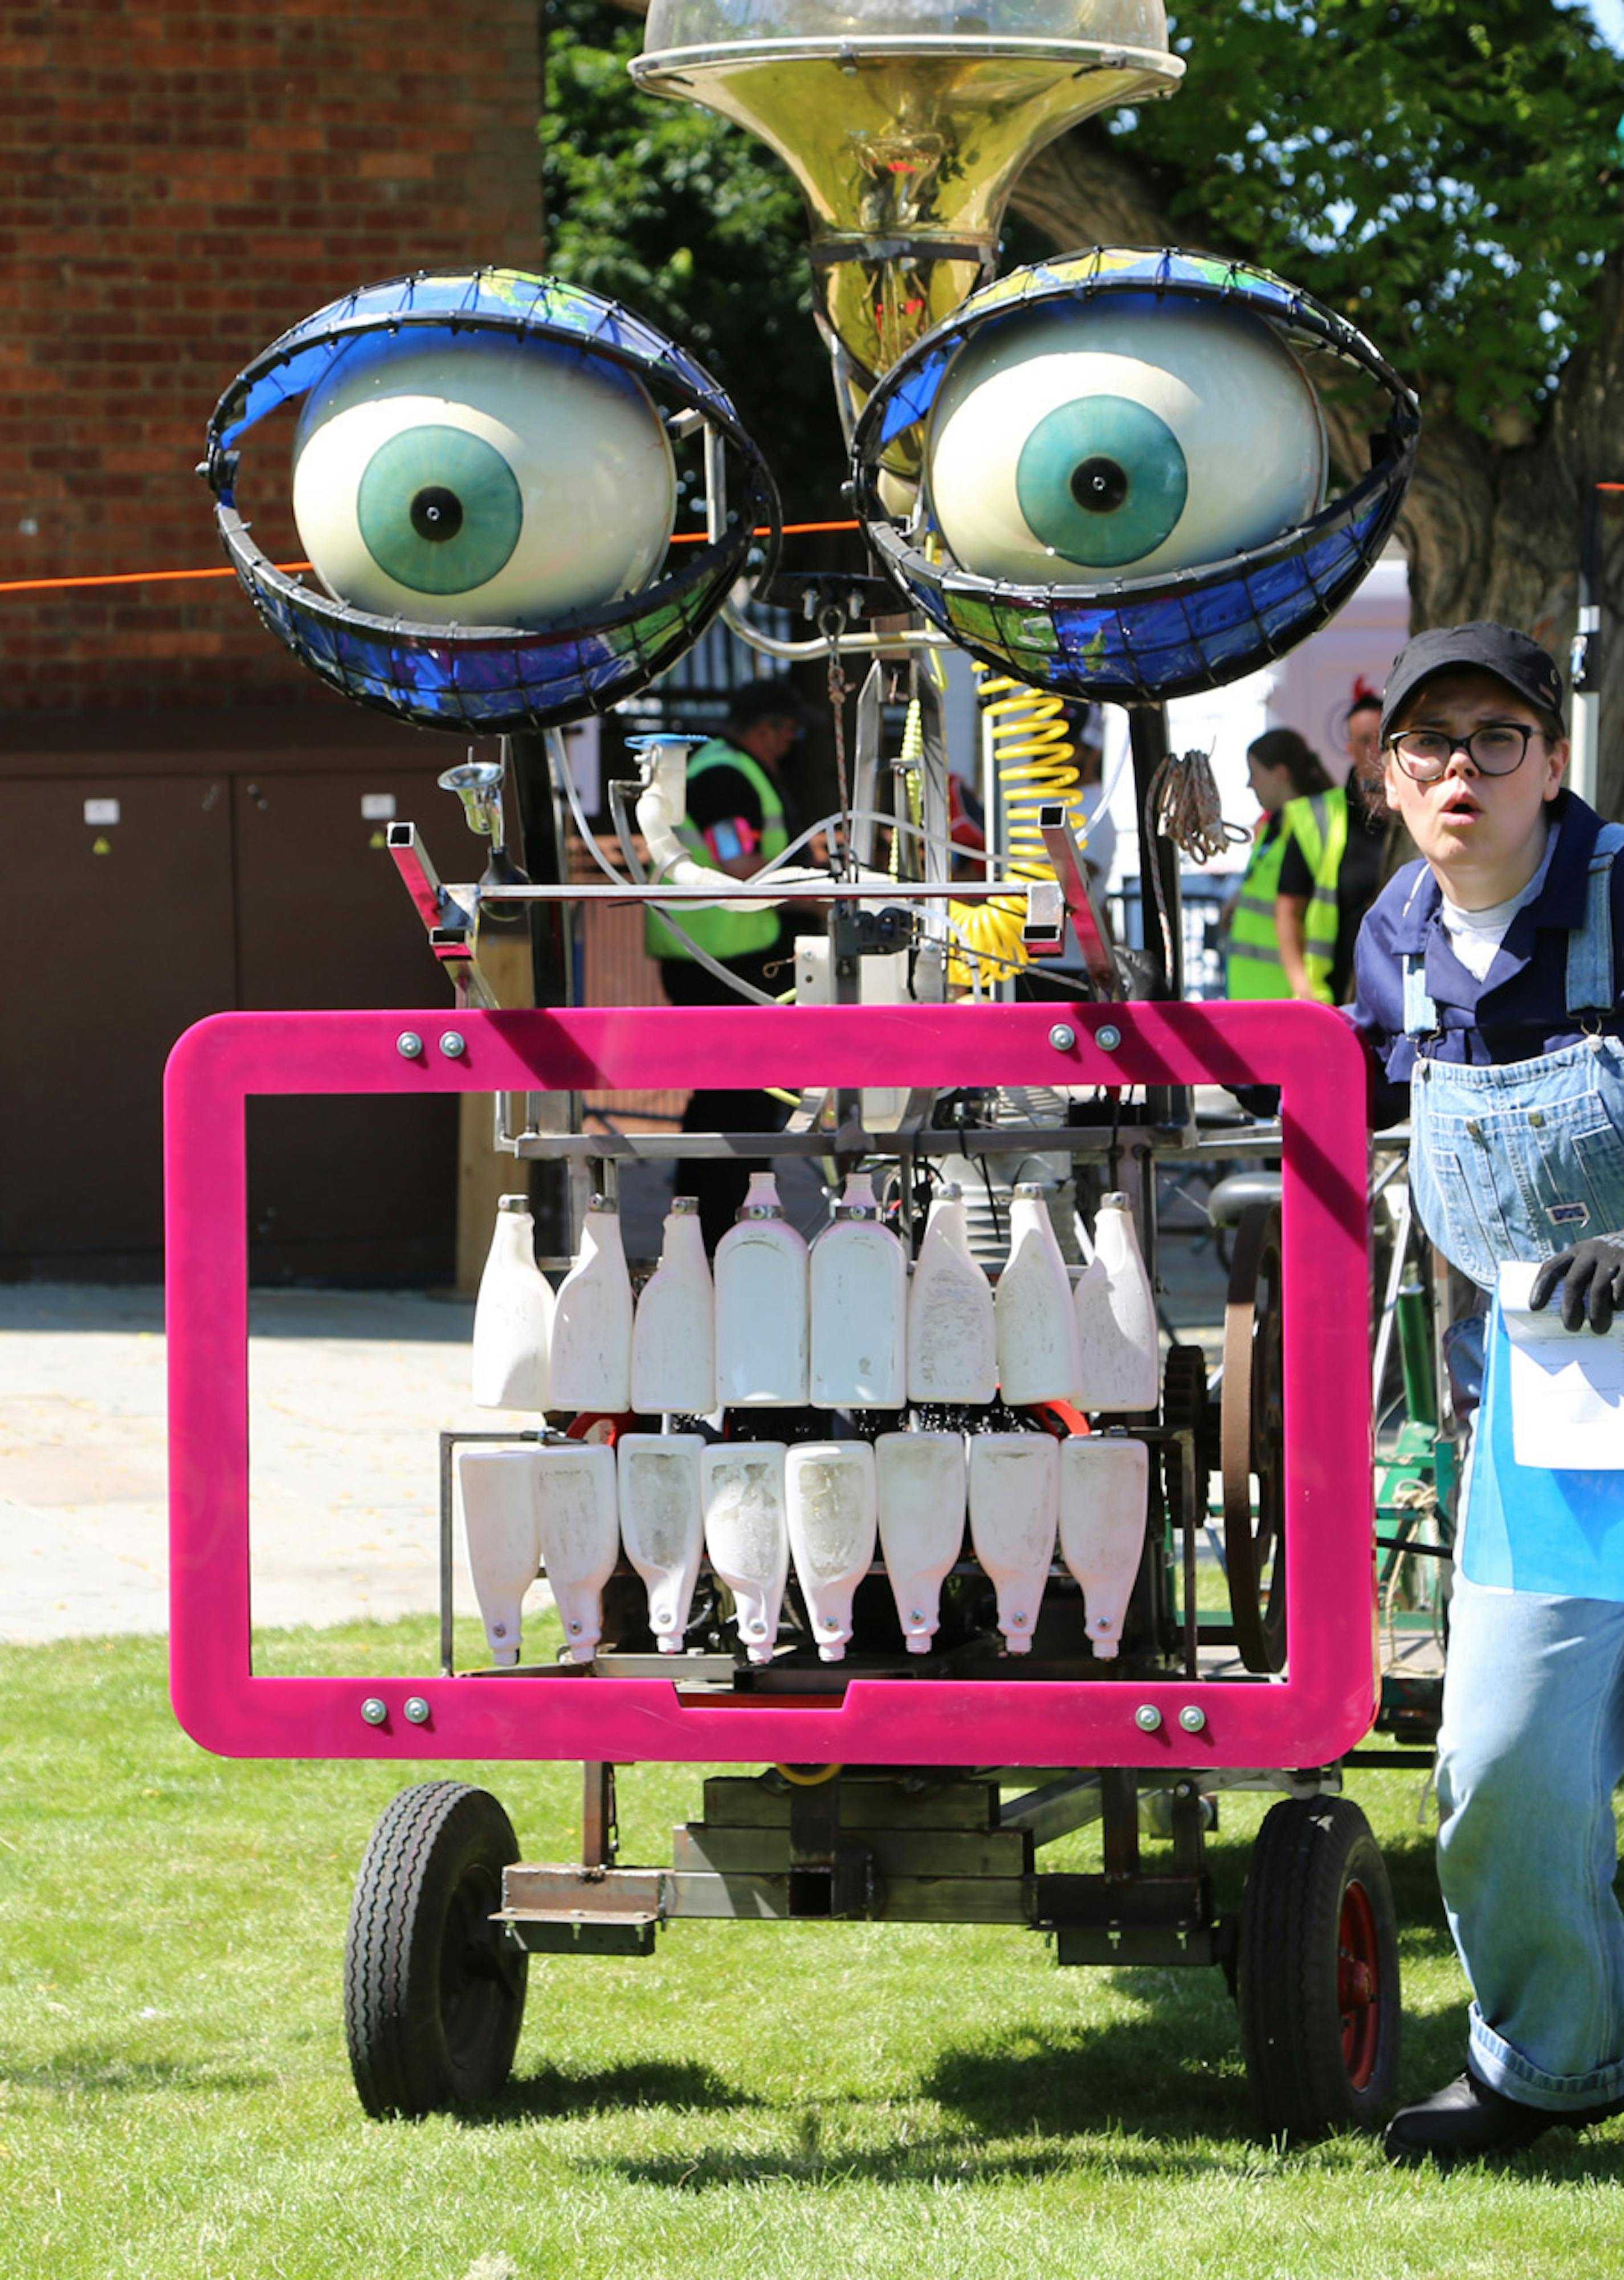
x,y
655,2082
1169,2080
87,2069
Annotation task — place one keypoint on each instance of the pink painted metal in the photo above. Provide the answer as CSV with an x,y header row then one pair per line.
x,y
1320,1708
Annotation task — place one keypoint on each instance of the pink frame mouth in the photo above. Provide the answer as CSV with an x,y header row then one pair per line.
x,y
1309,1716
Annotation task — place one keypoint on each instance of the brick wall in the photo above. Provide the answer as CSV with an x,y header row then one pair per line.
x,y
180,181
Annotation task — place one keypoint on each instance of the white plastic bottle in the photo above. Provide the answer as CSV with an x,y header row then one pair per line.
x,y
580,1534
742,1483
921,1480
1105,1498
952,1342
673,1337
1115,1307
1037,1330
829,1500
761,1304
859,1308
1014,1516
662,1524
592,1321
498,1512
513,1316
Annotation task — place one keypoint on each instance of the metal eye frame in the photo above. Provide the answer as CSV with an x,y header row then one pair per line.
x,y
1141,640
489,679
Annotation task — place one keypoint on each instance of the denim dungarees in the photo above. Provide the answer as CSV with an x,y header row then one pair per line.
x,y
1519,1160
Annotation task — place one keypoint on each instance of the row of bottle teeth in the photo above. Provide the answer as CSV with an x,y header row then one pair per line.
x,y
754,1507
845,1326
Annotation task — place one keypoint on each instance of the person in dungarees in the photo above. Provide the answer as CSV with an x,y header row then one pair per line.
x,y
1489,987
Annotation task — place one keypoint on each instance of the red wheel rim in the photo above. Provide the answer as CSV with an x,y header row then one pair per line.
x,y
1358,1985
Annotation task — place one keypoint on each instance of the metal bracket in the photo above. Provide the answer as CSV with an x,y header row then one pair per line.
x,y
1099,957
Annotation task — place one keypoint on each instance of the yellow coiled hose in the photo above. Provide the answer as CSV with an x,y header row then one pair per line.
x,y
1035,762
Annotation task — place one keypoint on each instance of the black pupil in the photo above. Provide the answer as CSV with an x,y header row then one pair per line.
x,y
1098,486
436,513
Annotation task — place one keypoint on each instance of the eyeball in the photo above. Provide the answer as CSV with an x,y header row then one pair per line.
x,y
477,479
1128,437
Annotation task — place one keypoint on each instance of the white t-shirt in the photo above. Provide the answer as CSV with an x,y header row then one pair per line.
x,y
1475,935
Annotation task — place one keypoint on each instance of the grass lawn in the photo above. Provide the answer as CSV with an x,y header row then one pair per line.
x,y
761,2099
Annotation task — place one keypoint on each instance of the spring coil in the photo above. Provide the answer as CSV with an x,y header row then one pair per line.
x,y
1035,762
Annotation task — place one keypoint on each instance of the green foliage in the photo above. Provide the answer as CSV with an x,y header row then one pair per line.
x,y
1446,175
696,226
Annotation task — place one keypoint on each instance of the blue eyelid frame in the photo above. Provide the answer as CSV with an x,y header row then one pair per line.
x,y
1141,641
489,680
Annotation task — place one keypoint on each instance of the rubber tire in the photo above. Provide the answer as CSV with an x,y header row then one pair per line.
x,y
1310,1854
434,1993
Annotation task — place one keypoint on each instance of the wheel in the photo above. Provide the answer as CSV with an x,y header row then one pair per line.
x,y
1317,1972
434,1994
1186,1406
1251,1432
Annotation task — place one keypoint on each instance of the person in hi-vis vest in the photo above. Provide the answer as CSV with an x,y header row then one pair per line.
x,y
1330,872
1283,772
739,818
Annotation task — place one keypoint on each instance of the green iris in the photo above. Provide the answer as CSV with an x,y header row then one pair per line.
x,y
1102,481
439,509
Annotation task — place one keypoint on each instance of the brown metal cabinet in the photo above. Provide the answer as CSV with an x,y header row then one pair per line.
x,y
122,930
147,889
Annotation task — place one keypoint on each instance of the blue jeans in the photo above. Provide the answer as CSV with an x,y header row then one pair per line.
x,y
1532,1745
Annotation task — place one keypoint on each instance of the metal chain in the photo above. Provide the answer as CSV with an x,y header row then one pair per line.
x,y
830,625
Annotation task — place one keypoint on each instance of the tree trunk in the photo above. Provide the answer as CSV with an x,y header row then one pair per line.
x,y
1490,529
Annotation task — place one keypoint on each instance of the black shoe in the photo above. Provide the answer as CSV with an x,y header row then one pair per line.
x,y
1466,2121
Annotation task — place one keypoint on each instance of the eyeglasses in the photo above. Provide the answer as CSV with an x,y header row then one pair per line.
x,y
1495,749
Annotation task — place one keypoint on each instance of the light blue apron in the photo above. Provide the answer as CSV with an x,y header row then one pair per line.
x,y
1520,1159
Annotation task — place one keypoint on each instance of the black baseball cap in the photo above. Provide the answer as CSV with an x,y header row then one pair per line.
x,y
1511,657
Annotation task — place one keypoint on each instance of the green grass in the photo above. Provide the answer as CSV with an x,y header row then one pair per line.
x,y
760,2099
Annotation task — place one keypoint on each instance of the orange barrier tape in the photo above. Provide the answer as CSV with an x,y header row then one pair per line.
x,y
154,577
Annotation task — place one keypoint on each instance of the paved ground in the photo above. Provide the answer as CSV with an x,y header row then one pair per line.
x,y
348,1394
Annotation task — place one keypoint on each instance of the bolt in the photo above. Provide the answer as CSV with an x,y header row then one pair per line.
x,y
409,1046
575,1627
1147,1717
916,1614
1192,1718
453,1044
1063,1037
417,1710
1108,1037
498,1631
756,1630
1018,1622
373,1711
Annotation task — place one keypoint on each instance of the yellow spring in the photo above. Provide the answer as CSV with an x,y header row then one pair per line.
x,y
1035,762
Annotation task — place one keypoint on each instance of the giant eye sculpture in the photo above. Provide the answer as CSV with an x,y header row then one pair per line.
x,y
484,477
1124,465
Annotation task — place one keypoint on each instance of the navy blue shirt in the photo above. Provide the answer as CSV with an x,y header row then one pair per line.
x,y
1519,1009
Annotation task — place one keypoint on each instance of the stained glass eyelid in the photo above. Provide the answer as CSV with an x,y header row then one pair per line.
x,y
293,363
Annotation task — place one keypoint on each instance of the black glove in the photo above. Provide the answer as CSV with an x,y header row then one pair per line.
x,y
1592,1274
